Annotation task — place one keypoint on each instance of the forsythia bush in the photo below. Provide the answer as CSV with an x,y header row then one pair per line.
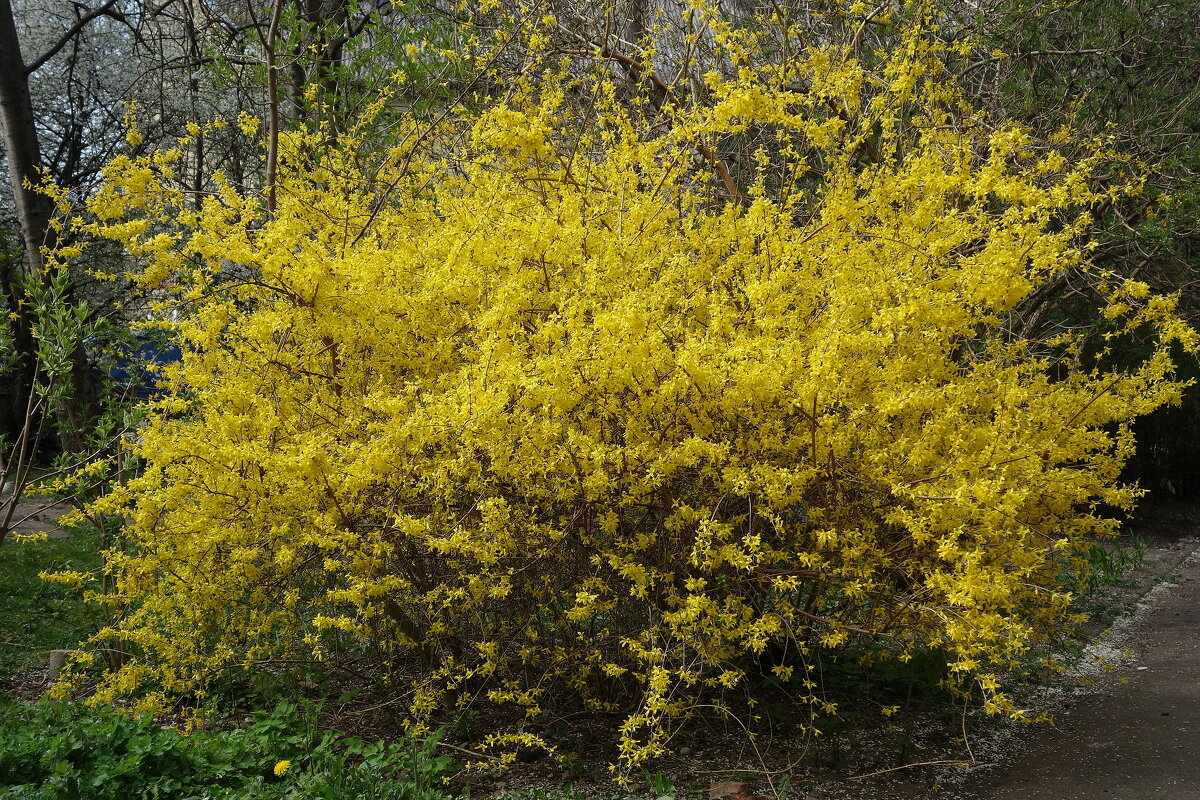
x,y
537,411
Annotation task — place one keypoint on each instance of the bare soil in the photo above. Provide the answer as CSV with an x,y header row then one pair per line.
x,y
37,515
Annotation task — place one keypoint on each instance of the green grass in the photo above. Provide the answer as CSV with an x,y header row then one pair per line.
x,y
36,616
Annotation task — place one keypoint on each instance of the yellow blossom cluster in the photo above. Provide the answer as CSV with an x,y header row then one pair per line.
x,y
549,417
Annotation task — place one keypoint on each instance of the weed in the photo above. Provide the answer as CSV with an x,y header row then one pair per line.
x,y
52,751
661,786
1110,563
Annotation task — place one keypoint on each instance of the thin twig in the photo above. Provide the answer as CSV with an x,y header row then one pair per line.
x,y
951,762
475,753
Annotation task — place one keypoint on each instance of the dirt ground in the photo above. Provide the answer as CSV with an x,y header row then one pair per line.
x,y
37,515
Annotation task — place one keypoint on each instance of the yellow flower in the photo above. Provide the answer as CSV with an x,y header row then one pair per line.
x,y
282,767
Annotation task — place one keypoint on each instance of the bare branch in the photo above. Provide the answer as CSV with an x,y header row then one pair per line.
x,y
105,10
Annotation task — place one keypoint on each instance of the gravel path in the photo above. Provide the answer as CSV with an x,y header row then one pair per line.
x,y
35,515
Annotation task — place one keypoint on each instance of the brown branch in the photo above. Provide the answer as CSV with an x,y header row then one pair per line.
x,y
639,70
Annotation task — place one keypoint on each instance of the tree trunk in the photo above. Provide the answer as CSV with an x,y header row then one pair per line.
x,y
34,210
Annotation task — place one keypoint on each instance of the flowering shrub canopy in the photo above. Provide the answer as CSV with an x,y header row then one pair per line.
x,y
532,404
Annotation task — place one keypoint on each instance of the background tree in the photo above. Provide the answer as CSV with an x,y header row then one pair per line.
x,y
34,212
70,77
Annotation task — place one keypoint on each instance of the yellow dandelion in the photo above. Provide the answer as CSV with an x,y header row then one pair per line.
x,y
282,767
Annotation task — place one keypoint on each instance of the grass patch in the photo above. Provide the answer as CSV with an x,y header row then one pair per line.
x,y
36,616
